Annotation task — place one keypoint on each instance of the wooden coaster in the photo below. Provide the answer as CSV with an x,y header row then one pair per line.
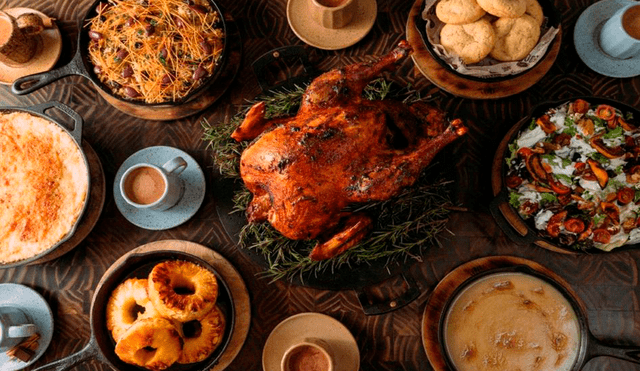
x,y
467,88
97,195
237,287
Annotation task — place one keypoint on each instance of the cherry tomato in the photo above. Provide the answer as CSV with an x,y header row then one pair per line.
x,y
574,225
580,106
626,195
601,235
606,112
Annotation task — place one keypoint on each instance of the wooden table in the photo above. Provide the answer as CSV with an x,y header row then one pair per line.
x,y
608,284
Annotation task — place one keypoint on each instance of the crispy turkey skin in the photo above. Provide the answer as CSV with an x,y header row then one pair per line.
x,y
339,149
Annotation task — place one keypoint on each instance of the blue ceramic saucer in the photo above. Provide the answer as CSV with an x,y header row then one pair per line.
x,y
194,190
37,309
585,38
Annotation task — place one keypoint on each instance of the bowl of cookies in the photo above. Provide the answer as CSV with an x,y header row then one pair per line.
x,y
489,40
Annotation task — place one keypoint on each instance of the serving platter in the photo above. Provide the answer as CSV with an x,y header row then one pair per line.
x,y
458,85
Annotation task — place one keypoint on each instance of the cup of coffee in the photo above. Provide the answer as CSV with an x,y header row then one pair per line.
x,y
308,355
15,327
18,37
333,13
146,186
620,35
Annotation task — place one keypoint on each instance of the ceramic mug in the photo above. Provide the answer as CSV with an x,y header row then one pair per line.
x,y
620,35
146,186
15,326
18,42
311,354
333,13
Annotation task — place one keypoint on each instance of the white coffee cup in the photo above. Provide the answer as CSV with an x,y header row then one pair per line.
x,y
620,35
308,354
146,186
15,326
333,13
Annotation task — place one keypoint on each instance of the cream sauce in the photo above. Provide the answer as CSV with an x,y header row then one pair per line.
x,y
511,322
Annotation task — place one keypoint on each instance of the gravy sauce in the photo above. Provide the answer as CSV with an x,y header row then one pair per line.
x,y
511,321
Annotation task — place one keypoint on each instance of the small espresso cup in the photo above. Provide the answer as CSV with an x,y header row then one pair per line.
x,y
620,35
333,14
15,326
18,42
311,354
146,186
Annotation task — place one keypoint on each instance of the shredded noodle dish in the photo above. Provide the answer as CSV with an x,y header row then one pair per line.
x,y
155,50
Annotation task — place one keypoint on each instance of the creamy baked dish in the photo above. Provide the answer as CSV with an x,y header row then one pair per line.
x,y
155,51
43,185
574,174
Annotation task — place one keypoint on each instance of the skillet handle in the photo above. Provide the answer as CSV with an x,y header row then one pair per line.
x,y
497,205
78,122
597,348
29,84
90,351
410,294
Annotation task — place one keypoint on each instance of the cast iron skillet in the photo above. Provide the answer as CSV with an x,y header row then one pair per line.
x,y
101,345
40,110
455,281
553,20
81,65
512,224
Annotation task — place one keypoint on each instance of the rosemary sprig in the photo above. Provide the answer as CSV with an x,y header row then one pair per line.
x,y
403,226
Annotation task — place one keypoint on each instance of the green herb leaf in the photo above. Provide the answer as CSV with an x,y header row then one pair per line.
x,y
548,198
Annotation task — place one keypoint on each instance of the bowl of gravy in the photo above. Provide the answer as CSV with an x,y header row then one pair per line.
x,y
507,313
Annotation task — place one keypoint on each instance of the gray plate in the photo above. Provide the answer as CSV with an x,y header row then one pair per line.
x,y
188,205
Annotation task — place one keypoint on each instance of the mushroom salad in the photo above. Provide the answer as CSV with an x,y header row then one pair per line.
x,y
574,174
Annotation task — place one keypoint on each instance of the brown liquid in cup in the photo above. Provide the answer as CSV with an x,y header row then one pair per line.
x,y
307,358
144,185
631,21
331,3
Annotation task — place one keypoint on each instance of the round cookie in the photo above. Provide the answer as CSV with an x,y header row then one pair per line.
x,y
471,42
504,8
459,11
515,37
535,10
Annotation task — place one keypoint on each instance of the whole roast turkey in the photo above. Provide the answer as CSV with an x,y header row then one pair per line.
x,y
339,149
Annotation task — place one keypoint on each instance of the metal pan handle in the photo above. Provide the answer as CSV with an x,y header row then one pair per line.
x,y
597,348
29,84
78,122
496,207
90,351
410,294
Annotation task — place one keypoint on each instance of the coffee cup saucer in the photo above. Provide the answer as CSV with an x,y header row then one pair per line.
x,y
38,310
301,22
47,51
585,38
194,190
298,327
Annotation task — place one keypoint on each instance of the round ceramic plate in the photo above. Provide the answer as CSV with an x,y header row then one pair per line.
x,y
40,313
304,325
47,52
194,190
585,39
303,25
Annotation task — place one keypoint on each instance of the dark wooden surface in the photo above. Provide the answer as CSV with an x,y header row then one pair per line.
x,y
608,284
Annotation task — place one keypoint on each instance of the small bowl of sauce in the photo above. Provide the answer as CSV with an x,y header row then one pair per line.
x,y
511,321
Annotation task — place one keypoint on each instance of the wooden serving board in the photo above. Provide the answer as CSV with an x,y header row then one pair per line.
x,y
237,288
467,88
97,195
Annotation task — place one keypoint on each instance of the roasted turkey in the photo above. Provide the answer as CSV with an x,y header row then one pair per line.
x,y
339,149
